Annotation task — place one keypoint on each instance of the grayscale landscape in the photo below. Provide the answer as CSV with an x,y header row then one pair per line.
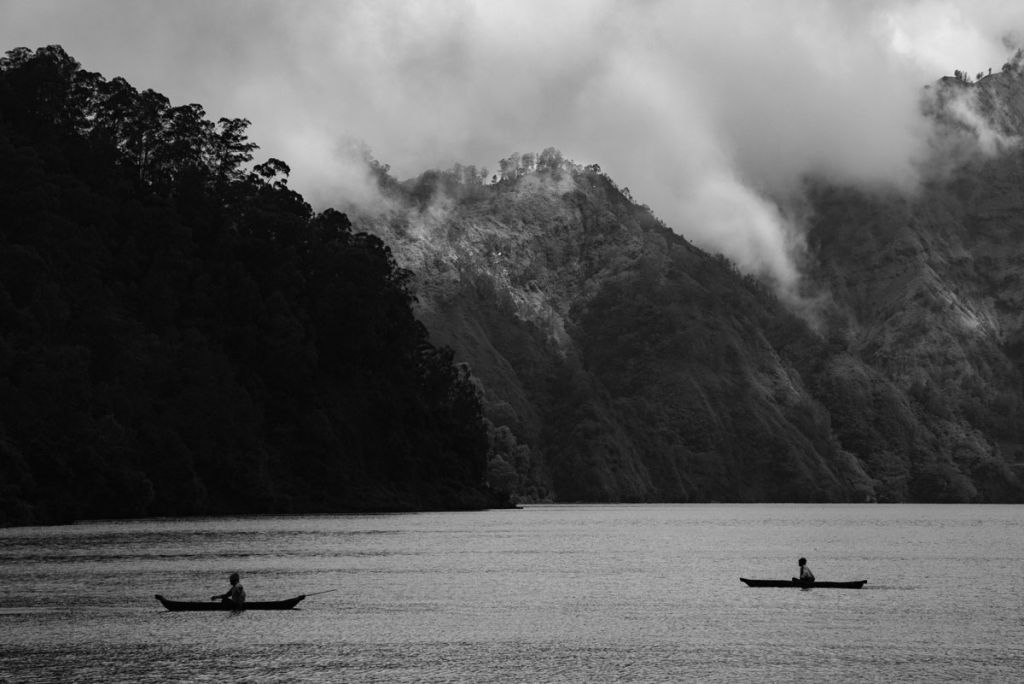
x,y
494,343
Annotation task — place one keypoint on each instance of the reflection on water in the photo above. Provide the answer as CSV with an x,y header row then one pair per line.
x,y
548,593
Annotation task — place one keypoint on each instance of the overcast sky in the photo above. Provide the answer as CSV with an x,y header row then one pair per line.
x,y
705,109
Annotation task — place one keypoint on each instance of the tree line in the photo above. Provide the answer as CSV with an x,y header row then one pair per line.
x,y
180,333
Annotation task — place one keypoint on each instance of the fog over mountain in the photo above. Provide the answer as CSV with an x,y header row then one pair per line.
x,y
710,112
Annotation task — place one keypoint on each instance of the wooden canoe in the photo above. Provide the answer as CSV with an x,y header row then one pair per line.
x,y
287,604
857,584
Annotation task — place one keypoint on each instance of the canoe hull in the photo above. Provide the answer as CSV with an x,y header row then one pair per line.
x,y
797,584
208,606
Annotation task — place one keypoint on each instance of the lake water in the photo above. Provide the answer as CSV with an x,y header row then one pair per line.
x,y
645,593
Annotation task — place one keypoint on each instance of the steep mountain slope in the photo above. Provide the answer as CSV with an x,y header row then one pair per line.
x,y
620,363
929,292
635,366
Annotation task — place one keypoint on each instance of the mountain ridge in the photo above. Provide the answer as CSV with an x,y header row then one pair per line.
x,y
183,335
595,245
706,387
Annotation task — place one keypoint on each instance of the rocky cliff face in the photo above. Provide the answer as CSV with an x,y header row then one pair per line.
x,y
621,363
928,293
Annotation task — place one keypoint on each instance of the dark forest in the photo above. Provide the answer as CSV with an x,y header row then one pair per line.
x,y
181,334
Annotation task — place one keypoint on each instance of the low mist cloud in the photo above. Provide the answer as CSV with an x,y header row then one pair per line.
x,y
711,112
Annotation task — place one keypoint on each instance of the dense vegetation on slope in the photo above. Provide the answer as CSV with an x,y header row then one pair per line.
x,y
180,334
628,365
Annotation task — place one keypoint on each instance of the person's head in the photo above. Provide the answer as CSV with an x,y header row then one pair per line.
x,y
234,578
802,561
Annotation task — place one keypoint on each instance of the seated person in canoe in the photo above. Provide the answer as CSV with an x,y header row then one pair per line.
x,y
235,595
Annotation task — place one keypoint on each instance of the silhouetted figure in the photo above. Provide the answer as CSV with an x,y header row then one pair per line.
x,y
806,576
235,595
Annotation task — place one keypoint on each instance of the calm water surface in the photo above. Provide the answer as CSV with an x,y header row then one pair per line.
x,y
544,594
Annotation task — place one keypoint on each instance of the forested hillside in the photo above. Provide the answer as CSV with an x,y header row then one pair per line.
x,y
181,334
623,364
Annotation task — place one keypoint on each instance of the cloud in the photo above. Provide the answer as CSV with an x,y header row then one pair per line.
x,y
710,111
